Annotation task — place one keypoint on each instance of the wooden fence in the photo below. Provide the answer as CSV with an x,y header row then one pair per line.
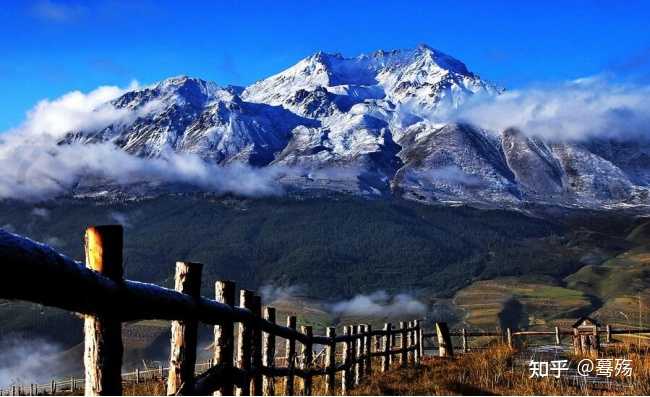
x,y
583,341
244,361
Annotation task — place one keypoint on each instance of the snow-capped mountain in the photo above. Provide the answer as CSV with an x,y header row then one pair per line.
x,y
374,124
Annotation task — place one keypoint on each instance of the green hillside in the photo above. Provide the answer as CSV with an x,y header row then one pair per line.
x,y
332,249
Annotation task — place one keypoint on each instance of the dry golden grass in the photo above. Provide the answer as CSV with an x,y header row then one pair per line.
x,y
149,388
492,372
488,372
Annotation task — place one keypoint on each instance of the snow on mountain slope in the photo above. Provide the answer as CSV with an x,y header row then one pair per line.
x,y
188,115
374,124
455,162
423,79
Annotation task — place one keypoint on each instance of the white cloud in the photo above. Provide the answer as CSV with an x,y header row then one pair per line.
x,y
33,167
35,171
75,111
26,361
272,293
53,241
41,212
379,304
121,218
576,110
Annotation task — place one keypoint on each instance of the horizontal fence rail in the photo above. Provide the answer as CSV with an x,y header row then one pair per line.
x,y
249,366
245,361
585,340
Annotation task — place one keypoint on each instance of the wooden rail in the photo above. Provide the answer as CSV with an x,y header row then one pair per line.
x,y
583,341
99,292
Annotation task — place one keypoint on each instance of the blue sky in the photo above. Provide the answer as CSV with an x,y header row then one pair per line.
x,y
51,47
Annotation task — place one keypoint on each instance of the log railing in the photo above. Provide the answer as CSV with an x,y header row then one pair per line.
x,y
98,291
583,341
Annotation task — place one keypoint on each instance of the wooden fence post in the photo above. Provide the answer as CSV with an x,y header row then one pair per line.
x,y
386,346
418,340
557,336
577,347
410,341
53,387
245,341
330,363
608,335
403,344
379,343
361,351
256,382
291,358
595,342
137,375
224,334
421,342
368,349
182,358
346,380
509,337
268,386
103,334
393,346
445,348
464,340
356,354
307,360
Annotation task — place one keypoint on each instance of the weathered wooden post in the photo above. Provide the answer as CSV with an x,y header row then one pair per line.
x,y
245,341
418,341
161,372
224,334
137,375
182,358
268,386
103,332
291,358
464,339
73,384
509,337
445,348
595,341
403,352
361,360
53,387
256,382
608,335
410,358
378,341
330,363
557,336
308,360
346,380
394,357
577,346
356,354
368,349
584,343
386,347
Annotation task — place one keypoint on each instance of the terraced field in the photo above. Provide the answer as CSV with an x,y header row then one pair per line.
x,y
517,303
